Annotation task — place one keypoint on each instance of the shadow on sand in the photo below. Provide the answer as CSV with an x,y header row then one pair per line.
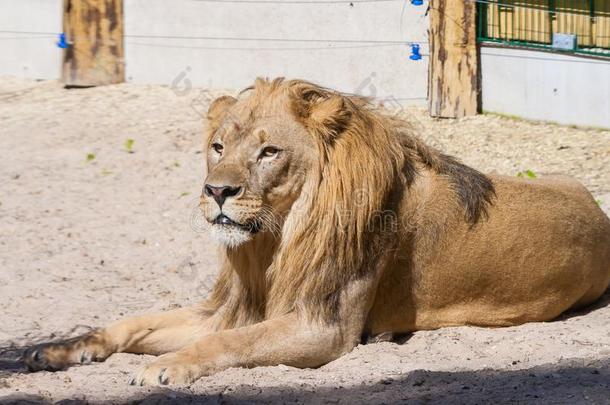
x,y
566,382
572,382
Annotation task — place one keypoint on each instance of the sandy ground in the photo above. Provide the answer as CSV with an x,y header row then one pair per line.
x,y
86,240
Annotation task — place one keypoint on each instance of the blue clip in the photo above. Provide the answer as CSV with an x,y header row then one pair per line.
x,y
417,2
415,55
61,43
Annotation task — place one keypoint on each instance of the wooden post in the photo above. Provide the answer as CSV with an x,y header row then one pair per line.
x,y
453,78
94,32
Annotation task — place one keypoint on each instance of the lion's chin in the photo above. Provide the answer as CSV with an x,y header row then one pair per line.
x,y
230,236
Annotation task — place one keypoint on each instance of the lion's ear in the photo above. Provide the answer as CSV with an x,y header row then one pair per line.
x,y
218,109
322,111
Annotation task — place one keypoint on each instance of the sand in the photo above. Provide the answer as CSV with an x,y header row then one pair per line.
x,y
92,230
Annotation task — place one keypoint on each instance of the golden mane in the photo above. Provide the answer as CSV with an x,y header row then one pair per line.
x,y
327,239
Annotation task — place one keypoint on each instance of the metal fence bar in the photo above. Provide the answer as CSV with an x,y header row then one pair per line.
x,y
532,23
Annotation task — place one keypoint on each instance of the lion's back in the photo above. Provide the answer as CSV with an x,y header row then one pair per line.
x,y
560,209
543,248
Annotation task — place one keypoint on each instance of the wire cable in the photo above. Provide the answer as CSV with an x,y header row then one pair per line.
x,y
36,37
28,32
266,39
245,39
304,48
264,49
350,2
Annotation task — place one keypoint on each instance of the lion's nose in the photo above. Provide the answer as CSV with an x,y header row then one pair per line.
x,y
220,193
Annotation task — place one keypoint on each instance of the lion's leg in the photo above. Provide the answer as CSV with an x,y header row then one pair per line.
x,y
151,334
298,341
286,340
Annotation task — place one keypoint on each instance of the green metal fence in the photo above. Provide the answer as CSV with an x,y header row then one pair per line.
x,y
537,23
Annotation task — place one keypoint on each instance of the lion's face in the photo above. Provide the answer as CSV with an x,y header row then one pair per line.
x,y
257,159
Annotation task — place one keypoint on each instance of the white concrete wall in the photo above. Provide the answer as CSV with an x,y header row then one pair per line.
x,y
546,86
531,84
30,55
381,70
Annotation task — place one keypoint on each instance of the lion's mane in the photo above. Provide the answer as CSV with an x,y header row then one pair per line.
x,y
328,238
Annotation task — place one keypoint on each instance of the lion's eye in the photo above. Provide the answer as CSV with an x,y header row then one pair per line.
x,y
269,152
217,147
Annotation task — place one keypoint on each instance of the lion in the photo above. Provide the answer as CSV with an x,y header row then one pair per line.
x,y
338,224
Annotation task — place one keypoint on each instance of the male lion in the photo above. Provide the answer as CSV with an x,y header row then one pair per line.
x,y
337,224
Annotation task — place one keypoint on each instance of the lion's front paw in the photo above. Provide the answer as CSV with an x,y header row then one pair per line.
x,y
40,357
168,369
55,356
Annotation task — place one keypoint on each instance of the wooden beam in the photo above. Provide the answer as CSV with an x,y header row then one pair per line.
x,y
453,76
94,31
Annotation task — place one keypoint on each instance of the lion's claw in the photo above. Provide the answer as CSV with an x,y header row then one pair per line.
x,y
163,379
168,369
86,357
